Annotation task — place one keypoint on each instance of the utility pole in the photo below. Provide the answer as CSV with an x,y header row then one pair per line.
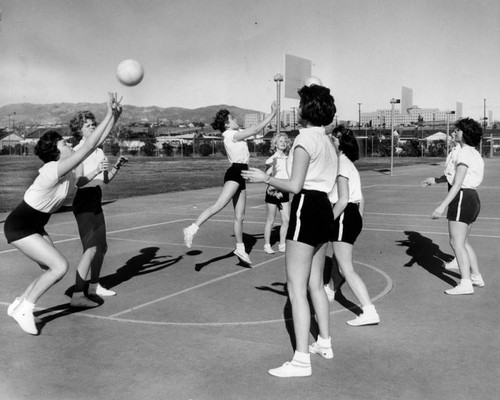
x,y
278,78
359,116
393,101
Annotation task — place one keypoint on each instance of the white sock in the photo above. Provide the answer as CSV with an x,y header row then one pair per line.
x,y
304,358
368,309
28,305
193,227
324,342
240,246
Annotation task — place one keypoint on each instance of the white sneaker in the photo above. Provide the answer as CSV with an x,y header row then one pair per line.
x,y
366,318
452,265
100,291
329,293
13,306
189,233
477,280
292,369
282,247
325,352
23,315
268,249
243,256
464,287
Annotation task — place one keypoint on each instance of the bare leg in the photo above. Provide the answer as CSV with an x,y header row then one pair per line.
x,y
458,238
271,213
228,191
317,292
298,259
343,254
42,251
285,219
239,203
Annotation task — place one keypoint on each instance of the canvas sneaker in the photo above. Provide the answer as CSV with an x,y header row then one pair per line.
x,y
243,256
13,306
366,318
464,287
477,280
23,315
101,291
325,352
292,369
282,247
268,249
452,265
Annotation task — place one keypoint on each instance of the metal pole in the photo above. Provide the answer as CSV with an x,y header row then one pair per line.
x,y
359,116
393,101
278,78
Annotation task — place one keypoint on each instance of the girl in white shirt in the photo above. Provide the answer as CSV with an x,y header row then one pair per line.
x,y
91,174
312,166
276,199
348,206
25,226
234,185
464,205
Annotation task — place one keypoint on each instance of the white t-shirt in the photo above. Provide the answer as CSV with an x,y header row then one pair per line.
x,y
237,152
450,166
91,163
470,157
323,163
48,192
277,166
349,171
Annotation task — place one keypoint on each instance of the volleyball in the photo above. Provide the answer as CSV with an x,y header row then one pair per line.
x,y
130,72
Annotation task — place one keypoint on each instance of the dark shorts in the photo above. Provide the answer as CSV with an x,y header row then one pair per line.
x,y
311,218
464,207
347,227
25,221
234,174
277,197
90,217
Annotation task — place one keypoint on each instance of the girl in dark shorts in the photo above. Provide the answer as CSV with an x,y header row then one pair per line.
x,y
348,207
25,226
312,166
91,174
234,185
464,205
276,199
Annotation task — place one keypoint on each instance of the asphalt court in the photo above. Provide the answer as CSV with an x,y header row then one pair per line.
x,y
170,290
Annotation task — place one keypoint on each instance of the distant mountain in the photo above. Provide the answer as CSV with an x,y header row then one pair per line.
x,y
61,113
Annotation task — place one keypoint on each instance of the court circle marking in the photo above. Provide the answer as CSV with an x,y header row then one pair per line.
x,y
388,288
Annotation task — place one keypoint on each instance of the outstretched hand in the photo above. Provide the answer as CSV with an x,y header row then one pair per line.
x,y
115,105
274,107
254,175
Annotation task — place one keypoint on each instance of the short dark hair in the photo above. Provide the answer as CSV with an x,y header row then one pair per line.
x,y
317,105
471,131
76,123
46,147
348,144
220,120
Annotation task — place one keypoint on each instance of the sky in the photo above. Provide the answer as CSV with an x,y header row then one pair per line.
x,y
198,53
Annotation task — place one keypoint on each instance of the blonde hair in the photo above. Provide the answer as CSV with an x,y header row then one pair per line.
x,y
275,138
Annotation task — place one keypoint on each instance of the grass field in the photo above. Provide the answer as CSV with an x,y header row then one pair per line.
x,y
147,175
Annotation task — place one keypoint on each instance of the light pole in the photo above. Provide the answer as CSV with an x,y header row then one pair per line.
x,y
393,101
278,78
448,130
10,132
359,116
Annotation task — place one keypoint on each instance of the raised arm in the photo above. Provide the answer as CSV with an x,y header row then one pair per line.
x,y
241,135
92,142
